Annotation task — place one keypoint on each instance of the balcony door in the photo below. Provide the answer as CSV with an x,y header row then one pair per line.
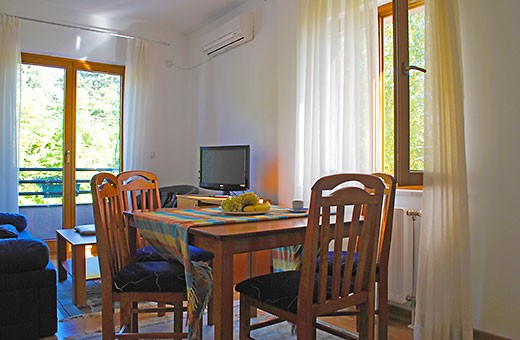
x,y
70,115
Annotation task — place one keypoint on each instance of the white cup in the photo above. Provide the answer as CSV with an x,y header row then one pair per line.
x,y
297,205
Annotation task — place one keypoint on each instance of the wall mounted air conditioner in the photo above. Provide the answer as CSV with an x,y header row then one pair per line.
x,y
228,35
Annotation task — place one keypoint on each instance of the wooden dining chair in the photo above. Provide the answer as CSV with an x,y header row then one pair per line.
x,y
301,296
383,256
126,281
140,191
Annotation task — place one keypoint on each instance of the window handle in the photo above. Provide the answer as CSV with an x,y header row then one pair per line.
x,y
67,156
413,67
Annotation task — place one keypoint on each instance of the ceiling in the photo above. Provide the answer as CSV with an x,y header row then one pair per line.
x,y
182,16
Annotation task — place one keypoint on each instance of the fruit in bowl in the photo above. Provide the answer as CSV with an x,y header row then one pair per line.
x,y
246,202
259,207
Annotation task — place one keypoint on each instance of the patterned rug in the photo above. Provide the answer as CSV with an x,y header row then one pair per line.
x,y
68,310
281,331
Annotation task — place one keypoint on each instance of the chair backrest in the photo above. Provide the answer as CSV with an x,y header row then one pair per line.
x,y
112,239
387,219
333,198
139,190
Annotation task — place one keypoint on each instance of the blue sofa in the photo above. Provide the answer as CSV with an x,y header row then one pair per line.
x,y
27,283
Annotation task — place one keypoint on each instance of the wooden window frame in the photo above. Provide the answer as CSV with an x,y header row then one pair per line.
x,y
398,9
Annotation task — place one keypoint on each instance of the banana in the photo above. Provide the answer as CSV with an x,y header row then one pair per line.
x,y
257,207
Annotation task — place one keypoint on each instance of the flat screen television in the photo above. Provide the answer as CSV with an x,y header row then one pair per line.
x,y
224,167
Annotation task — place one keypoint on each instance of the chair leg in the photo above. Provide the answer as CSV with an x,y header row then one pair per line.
x,y
306,330
245,317
382,317
210,310
201,328
125,317
177,317
161,305
107,320
210,302
366,321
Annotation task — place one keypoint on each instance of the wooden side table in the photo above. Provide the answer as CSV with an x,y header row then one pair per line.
x,y
80,268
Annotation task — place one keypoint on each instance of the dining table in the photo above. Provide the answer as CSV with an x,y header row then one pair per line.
x,y
226,240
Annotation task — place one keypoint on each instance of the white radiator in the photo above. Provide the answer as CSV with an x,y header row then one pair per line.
x,y
400,266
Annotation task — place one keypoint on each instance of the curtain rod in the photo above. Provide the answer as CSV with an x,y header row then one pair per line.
x,y
89,28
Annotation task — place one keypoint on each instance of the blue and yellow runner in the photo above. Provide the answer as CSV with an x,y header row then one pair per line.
x,y
167,231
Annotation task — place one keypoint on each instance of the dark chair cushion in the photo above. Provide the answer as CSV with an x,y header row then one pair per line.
x,y
20,255
149,253
8,231
343,259
151,276
198,254
17,220
277,289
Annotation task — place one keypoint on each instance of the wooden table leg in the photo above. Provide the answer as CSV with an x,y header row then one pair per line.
x,y
79,275
223,292
61,246
251,259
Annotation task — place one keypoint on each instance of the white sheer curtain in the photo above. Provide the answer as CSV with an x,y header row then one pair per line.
x,y
444,308
337,90
9,61
137,103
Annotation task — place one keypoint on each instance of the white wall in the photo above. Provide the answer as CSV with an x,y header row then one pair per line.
x,y
71,43
236,93
490,31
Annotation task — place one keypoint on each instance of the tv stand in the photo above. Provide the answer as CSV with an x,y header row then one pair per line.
x,y
190,201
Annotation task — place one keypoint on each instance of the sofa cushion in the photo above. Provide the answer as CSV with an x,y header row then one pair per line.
x,y
8,231
20,255
18,220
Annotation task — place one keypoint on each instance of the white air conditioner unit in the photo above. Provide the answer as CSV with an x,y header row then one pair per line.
x,y
228,35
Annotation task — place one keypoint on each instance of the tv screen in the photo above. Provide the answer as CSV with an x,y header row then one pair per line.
x,y
224,168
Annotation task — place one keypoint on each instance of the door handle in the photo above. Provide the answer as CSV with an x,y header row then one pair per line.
x,y
407,69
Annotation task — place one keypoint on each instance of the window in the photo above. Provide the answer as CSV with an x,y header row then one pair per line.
x,y
69,122
401,46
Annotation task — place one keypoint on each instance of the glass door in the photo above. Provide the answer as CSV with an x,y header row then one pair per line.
x,y
69,129
98,127
41,113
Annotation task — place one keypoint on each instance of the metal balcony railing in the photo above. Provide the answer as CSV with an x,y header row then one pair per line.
x,y
48,181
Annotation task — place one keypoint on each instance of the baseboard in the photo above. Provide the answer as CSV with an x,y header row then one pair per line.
x,y
399,313
481,335
403,314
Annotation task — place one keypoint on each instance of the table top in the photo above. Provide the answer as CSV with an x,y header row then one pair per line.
x,y
75,239
260,228
249,229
